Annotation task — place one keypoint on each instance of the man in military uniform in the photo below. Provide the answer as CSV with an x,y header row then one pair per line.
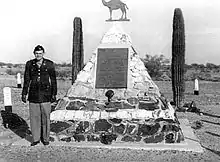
x,y
41,86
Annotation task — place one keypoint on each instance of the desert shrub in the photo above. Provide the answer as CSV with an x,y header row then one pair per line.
x,y
204,76
155,64
12,71
9,66
211,66
2,63
17,66
63,64
63,73
194,66
164,77
215,79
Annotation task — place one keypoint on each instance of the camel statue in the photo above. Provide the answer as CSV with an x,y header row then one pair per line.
x,y
114,5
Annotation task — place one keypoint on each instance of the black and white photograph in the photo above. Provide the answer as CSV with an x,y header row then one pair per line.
x,y
109,80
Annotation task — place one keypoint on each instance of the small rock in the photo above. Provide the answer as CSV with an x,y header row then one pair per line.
x,y
79,137
169,138
107,138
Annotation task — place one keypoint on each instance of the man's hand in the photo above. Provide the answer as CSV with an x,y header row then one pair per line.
x,y
23,98
53,98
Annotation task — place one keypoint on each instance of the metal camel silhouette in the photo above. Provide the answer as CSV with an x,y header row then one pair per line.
x,y
114,5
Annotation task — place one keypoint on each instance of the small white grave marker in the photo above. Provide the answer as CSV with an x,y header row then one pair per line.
x,y
19,80
7,99
196,89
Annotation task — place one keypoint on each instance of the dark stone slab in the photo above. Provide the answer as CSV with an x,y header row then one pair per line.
x,y
112,68
107,138
80,128
59,126
119,105
93,106
121,129
146,130
114,105
170,138
75,105
148,106
110,107
170,127
79,137
66,139
127,106
127,139
135,120
91,137
115,121
102,125
165,120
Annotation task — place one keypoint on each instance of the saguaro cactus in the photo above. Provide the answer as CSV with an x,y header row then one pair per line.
x,y
77,53
178,58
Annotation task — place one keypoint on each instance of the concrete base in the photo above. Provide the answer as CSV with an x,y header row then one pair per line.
x,y
191,143
8,109
196,92
18,85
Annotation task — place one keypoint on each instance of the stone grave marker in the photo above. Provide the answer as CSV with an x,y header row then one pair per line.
x,y
18,80
7,99
196,87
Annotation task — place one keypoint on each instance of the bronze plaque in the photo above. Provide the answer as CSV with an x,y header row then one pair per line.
x,y
112,68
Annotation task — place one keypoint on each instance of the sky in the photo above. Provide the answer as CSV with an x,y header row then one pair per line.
x,y
27,23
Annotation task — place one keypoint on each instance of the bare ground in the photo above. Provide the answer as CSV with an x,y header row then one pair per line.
x,y
209,135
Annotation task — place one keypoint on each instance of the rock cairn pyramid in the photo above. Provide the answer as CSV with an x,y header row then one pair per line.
x,y
139,81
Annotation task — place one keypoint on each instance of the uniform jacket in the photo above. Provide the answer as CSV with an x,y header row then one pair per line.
x,y
39,83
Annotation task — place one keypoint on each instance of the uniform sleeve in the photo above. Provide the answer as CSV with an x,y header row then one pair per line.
x,y
26,79
53,80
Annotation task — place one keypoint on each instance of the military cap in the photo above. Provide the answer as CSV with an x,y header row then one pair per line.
x,y
38,48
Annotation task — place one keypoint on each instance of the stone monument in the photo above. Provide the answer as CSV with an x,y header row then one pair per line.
x,y
7,99
113,99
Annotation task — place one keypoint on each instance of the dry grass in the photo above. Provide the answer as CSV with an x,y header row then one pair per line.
x,y
209,134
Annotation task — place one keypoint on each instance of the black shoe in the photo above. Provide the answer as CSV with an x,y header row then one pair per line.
x,y
35,143
45,143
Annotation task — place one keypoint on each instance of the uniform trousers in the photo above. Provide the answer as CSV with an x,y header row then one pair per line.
x,y
40,121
